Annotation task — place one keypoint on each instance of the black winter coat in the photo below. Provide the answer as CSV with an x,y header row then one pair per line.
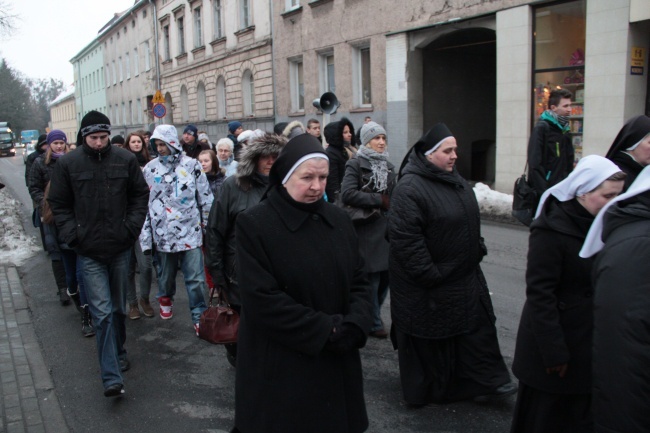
x,y
373,244
39,175
557,319
626,163
550,156
621,351
99,200
437,286
30,161
337,155
297,270
220,231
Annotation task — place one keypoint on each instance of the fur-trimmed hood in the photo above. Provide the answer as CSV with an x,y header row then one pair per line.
x,y
289,132
266,145
334,132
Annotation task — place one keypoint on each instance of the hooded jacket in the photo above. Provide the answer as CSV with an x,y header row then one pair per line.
x,y
179,201
437,286
621,383
338,155
99,200
237,193
631,133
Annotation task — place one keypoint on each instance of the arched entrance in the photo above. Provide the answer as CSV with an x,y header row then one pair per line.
x,y
459,89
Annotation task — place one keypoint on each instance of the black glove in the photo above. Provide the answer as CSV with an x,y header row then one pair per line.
x,y
345,337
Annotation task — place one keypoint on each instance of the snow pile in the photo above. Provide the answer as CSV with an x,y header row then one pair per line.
x,y
493,204
15,246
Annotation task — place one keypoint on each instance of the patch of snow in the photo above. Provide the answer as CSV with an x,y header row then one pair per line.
x,y
15,246
493,203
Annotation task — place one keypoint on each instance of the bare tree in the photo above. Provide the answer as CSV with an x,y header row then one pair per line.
x,y
7,20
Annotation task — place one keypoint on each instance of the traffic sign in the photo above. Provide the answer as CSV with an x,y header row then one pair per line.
x,y
159,110
158,98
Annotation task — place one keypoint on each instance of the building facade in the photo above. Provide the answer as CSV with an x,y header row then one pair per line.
x,y
63,115
129,68
483,67
216,63
90,93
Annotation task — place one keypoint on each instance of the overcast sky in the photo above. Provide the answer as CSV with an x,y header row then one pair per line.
x,y
49,33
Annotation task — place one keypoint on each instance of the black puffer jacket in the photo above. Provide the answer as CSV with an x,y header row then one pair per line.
x,y
437,286
338,156
99,200
39,175
550,155
621,350
557,320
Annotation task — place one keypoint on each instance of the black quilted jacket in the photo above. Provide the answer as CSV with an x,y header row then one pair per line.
x,y
437,286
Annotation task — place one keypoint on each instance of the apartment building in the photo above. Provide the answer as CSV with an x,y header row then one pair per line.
x,y
89,82
63,115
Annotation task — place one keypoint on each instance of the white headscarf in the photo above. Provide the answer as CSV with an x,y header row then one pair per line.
x,y
590,172
593,241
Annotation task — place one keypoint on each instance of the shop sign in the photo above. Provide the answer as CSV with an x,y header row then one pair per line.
x,y
637,61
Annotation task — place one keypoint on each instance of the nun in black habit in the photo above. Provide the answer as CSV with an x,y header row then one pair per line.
x,y
631,148
443,321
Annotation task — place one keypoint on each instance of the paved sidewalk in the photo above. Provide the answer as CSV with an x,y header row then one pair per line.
x,y
29,403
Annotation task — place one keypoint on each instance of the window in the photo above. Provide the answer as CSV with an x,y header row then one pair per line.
x,y
144,13
130,112
119,67
138,108
147,56
292,4
117,114
185,106
326,73
181,36
221,98
200,100
136,63
114,74
123,113
198,32
217,19
297,85
248,91
127,66
166,43
244,13
361,76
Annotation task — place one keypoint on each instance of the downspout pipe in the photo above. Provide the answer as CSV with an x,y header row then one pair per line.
x,y
275,105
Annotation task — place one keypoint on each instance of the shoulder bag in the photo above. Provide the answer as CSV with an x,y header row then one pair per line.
x,y
524,200
359,215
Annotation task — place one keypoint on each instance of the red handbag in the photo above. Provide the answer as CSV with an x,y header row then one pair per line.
x,y
219,324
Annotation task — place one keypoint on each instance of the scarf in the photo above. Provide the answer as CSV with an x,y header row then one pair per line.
x,y
142,161
561,121
227,162
55,155
378,165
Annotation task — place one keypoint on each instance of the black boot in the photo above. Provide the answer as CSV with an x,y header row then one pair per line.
x,y
75,300
63,296
87,328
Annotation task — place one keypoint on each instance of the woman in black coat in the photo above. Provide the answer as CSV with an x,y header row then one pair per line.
x,y
339,150
631,148
368,182
305,305
553,352
443,321
621,346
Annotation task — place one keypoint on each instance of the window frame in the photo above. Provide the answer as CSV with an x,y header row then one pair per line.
x,y
217,19
358,78
248,93
197,27
297,84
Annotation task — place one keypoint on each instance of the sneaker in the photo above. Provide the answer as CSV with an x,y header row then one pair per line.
x,y
134,312
87,328
166,307
114,390
146,307
196,329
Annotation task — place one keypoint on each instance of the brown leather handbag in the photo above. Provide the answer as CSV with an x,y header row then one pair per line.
x,y
219,324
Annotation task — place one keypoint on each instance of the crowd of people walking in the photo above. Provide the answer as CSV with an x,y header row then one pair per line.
x,y
305,237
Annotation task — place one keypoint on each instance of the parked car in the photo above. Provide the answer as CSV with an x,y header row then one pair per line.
x,y
29,149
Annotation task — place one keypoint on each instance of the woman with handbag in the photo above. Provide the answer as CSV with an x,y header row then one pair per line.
x,y
306,310
553,352
368,182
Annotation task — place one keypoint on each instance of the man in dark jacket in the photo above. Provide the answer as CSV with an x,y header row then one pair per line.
x,y
191,145
550,151
99,200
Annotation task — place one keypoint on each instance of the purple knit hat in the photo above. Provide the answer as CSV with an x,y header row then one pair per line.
x,y
56,134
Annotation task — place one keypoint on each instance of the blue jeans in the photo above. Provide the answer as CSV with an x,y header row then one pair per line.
x,y
192,268
106,285
379,286
74,275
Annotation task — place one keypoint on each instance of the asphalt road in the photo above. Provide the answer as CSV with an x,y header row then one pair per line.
x,y
178,383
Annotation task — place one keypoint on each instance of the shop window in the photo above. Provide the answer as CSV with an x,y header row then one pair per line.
x,y
559,60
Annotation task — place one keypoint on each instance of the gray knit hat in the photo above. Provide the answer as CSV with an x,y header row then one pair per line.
x,y
369,131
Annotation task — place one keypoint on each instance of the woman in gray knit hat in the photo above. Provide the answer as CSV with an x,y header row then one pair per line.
x,y
368,182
